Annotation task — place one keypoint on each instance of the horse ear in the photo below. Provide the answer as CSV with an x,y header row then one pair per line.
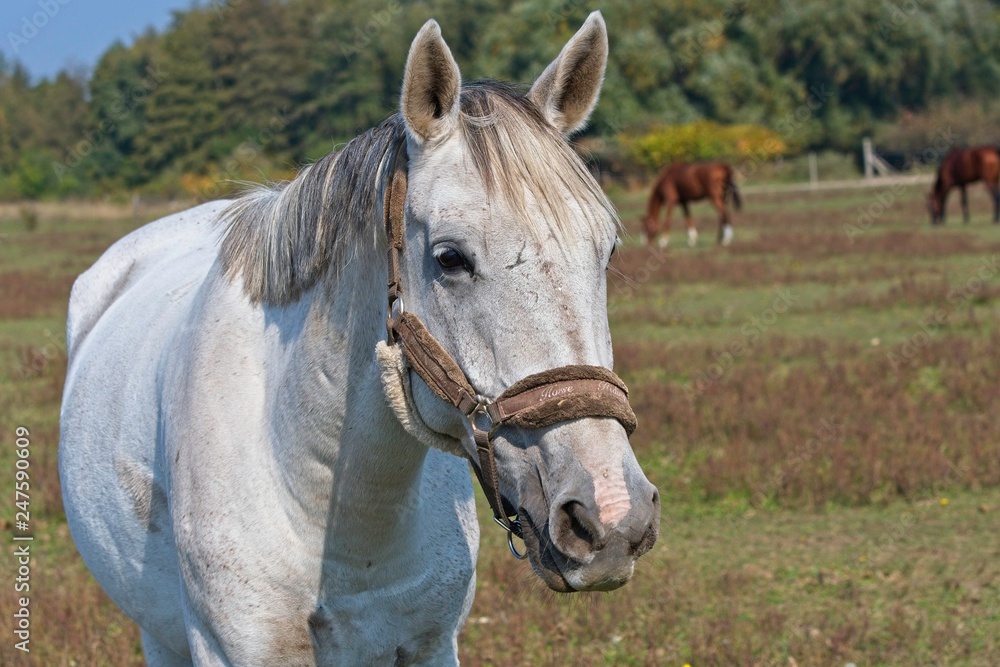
x,y
431,84
567,90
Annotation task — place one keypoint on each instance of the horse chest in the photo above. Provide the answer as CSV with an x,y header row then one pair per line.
x,y
402,612
406,613
393,628
398,606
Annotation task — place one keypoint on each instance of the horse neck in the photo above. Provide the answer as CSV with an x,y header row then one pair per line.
x,y
655,199
943,181
348,466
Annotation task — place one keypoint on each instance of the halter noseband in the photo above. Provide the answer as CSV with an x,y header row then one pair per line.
x,y
539,400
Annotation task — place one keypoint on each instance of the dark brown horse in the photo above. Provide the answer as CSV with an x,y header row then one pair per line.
x,y
681,183
960,167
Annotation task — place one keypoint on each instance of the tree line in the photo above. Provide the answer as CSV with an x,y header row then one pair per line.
x,y
244,89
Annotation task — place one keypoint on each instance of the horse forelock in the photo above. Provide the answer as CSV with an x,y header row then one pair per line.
x,y
281,239
518,153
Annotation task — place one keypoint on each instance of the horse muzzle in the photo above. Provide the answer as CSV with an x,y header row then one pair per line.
x,y
570,549
584,531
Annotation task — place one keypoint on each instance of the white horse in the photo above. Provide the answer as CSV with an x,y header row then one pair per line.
x,y
256,478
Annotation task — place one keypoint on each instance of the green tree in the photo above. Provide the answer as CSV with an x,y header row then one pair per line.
x,y
266,83
257,53
182,113
120,88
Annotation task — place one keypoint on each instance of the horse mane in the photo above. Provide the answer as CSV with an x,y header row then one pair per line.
x,y
283,239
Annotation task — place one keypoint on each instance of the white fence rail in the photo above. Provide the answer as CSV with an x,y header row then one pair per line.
x,y
874,182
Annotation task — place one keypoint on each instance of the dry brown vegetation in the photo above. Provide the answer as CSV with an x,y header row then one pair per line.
x,y
26,294
808,422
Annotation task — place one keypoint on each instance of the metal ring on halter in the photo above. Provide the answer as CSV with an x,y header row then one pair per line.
x,y
510,538
398,307
481,404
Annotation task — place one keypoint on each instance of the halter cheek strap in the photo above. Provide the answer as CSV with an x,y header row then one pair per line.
x,y
539,400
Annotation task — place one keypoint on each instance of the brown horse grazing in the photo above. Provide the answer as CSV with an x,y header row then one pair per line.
x,y
960,167
682,183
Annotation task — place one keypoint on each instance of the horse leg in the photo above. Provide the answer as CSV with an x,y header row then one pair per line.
x,y
994,189
725,228
689,223
158,655
650,228
965,205
664,239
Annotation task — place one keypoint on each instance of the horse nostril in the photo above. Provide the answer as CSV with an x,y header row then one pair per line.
x,y
652,531
577,531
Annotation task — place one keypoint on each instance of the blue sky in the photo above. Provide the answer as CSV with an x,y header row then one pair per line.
x,y
49,35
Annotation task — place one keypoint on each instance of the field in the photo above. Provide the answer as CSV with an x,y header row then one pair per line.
x,y
816,405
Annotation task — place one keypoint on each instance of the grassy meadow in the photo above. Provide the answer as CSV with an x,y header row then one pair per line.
x,y
817,405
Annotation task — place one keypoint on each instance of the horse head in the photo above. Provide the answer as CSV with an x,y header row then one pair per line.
x,y
935,206
650,228
507,240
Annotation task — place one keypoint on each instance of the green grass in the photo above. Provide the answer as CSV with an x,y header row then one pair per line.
x,y
908,584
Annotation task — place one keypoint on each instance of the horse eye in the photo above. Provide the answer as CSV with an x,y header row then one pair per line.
x,y
450,259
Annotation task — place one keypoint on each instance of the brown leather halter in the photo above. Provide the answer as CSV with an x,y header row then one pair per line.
x,y
539,400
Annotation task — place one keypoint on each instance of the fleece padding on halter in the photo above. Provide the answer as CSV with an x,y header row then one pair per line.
x,y
395,376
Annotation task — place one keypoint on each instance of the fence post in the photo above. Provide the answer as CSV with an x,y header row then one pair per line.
x,y
866,149
813,171
873,162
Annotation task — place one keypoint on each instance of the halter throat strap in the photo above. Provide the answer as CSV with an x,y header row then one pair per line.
x,y
539,400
